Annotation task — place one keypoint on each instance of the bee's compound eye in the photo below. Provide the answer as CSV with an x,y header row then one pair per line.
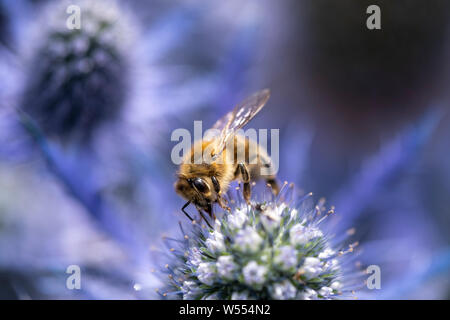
x,y
200,185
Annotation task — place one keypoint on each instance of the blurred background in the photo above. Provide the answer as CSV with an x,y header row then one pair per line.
x,y
86,118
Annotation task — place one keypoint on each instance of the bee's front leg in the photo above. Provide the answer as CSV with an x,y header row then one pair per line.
x,y
216,184
246,181
220,200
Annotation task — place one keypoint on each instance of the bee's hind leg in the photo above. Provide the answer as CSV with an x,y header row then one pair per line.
x,y
246,181
272,182
267,173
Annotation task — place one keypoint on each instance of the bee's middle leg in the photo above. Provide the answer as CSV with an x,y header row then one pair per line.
x,y
246,181
272,182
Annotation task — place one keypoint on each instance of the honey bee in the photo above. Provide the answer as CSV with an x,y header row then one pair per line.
x,y
204,183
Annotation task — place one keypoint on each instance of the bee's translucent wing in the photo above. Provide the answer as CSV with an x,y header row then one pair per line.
x,y
216,130
238,118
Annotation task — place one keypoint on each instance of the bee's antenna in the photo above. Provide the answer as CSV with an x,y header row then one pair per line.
x,y
184,207
204,218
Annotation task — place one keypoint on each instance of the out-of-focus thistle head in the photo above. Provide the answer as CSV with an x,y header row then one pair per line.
x,y
274,249
4,25
77,78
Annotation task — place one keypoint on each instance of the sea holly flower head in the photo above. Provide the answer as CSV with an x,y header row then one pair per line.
x,y
226,266
274,248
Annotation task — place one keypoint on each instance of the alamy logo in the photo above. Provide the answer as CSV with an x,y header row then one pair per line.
x,y
207,149
74,20
374,280
74,280
374,20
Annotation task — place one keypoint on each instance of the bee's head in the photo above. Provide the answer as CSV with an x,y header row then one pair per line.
x,y
197,190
